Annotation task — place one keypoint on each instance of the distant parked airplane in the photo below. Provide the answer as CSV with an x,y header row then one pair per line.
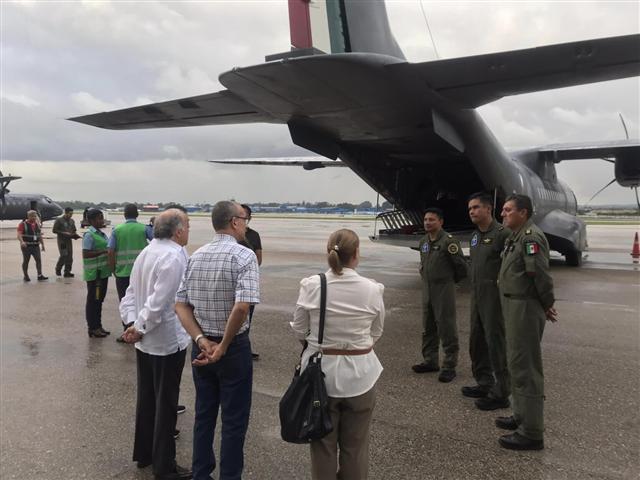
x,y
16,205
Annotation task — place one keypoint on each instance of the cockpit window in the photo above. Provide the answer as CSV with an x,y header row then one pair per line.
x,y
47,199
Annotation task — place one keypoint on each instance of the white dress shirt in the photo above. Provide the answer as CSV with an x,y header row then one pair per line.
x,y
150,299
354,321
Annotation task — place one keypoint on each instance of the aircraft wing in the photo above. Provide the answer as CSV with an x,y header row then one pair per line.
x,y
481,79
590,150
308,163
220,108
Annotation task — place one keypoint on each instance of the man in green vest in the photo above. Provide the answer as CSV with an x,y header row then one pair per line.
x,y
125,244
526,293
96,271
487,348
441,267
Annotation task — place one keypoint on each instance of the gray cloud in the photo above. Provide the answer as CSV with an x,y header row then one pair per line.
x,y
61,59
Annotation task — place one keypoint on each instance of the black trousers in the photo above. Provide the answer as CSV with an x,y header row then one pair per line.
x,y
96,291
31,250
65,247
122,283
158,391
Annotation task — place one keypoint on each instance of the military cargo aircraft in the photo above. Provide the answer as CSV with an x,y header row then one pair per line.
x,y
410,130
16,205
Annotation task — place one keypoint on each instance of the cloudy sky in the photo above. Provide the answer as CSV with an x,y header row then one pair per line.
x,y
63,59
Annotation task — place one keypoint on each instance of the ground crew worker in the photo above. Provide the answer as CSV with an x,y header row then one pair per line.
x,y
30,238
126,242
487,348
65,228
526,293
96,272
441,266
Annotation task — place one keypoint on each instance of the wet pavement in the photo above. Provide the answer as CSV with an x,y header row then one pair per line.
x,y
67,402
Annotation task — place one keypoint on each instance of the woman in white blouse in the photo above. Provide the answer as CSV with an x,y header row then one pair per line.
x,y
353,323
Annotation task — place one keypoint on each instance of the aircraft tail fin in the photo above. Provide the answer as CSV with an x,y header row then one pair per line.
x,y
339,26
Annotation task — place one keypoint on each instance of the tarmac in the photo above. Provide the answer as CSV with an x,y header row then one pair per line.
x,y
67,402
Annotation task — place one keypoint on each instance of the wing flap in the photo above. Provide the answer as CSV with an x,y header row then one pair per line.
x,y
591,150
308,163
477,80
220,108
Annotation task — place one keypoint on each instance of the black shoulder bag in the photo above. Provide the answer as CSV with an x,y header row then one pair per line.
x,y
304,407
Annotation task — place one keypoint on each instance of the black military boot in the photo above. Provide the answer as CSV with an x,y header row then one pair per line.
x,y
515,441
490,403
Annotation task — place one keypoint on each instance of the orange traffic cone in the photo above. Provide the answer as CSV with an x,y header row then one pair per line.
x,y
635,250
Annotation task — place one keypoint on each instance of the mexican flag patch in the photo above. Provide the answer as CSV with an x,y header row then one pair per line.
x,y
531,248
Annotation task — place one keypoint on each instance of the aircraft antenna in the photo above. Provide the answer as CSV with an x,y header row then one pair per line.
x,y
433,42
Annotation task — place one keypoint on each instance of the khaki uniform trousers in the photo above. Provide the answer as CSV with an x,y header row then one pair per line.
x,y
439,324
524,321
351,418
487,345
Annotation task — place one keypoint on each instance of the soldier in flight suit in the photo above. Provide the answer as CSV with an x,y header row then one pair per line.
x,y
441,267
487,347
65,228
526,293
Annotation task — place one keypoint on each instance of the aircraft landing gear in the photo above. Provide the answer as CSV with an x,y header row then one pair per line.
x,y
573,258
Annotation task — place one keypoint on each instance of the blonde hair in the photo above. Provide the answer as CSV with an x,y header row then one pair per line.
x,y
341,248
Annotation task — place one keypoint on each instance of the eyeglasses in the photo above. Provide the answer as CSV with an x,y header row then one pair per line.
x,y
246,219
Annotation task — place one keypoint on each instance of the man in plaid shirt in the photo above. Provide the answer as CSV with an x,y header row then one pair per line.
x,y
220,284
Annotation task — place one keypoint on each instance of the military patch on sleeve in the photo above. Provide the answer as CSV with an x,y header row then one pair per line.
x,y
531,248
474,240
425,247
453,248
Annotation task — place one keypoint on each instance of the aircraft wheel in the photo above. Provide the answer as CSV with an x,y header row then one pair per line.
x,y
573,258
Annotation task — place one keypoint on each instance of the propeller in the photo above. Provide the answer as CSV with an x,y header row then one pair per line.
x,y
4,182
610,160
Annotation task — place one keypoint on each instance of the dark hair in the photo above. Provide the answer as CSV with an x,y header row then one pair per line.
x,y
341,248
435,210
68,209
522,202
222,213
483,197
130,211
93,213
247,208
167,223
176,206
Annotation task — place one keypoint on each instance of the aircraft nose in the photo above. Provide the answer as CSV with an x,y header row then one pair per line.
x,y
53,210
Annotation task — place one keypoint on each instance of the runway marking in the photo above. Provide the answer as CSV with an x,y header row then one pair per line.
x,y
617,306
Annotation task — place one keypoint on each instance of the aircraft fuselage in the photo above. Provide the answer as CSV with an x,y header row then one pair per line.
x,y
16,205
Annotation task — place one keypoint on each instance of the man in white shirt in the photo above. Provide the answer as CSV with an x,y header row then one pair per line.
x,y
160,342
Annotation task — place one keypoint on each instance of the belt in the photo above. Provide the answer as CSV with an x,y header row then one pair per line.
x,y
515,296
219,339
337,351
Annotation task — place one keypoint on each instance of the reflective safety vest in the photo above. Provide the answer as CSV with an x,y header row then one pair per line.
x,y
31,233
96,267
131,238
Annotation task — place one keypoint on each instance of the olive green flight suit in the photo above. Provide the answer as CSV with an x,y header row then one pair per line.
x,y
526,290
65,245
441,266
487,347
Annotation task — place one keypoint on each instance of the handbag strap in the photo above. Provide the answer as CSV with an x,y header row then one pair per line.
x,y
323,306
